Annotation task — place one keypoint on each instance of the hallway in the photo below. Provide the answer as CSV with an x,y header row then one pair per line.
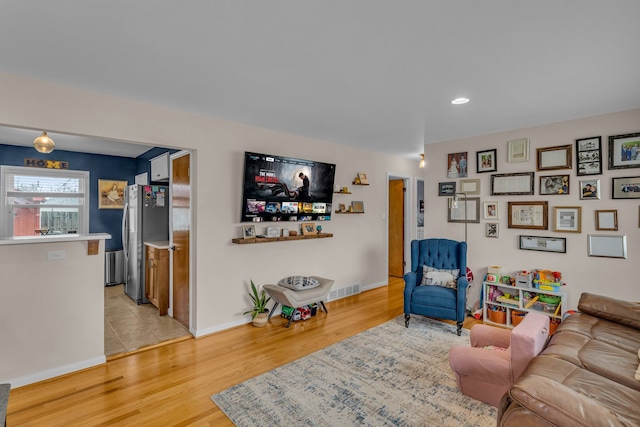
x,y
128,326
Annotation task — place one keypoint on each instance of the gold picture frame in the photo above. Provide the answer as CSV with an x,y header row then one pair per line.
x,y
567,219
111,194
553,158
533,215
308,228
607,220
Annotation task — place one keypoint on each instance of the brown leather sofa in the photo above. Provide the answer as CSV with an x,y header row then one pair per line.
x,y
586,375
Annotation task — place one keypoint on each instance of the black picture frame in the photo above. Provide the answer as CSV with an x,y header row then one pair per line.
x,y
626,187
512,184
618,158
447,188
589,156
486,161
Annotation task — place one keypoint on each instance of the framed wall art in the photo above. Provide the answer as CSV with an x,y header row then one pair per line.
x,y
470,186
590,189
111,194
457,165
624,151
532,215
446,188
492,229
567,219
486,161
607,220
357,206
308,228
607,246
554,184
552,158
546,244
518,150
457,213
248,231
625,188
589,156
490,210
512,184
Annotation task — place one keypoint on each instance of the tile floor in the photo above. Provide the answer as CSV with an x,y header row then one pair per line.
x,y
129,326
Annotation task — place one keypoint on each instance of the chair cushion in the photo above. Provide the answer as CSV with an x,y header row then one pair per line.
x,y
440,277
298,283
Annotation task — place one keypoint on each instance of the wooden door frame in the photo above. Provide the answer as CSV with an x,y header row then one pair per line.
x,y
408,213
192,239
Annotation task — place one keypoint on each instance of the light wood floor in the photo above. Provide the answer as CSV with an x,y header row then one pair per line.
x,y
171,385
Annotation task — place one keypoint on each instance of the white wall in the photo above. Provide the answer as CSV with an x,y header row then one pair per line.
x,y
609,276
356,254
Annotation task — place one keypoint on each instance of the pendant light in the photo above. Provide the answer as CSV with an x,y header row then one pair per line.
x,y
44,144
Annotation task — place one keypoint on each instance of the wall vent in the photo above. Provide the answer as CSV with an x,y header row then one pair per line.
x,y
344,292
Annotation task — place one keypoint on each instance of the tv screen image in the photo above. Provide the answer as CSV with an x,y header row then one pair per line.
x,y
278,188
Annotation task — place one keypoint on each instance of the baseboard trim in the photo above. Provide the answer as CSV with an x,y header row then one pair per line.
x,y
56,372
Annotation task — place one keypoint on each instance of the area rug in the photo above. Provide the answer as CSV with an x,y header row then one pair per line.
x,y
386,376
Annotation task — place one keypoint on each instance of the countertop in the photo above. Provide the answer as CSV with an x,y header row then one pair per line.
x,y
161,244
53,238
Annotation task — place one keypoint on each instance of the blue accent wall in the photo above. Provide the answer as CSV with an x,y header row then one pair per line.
x,y
99,167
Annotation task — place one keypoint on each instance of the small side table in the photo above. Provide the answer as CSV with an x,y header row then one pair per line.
x,y
295,299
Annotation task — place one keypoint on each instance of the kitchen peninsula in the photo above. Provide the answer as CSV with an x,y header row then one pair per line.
x,y
51,303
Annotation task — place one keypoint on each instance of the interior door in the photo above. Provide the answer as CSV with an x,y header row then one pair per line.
x,y
396,227
180,233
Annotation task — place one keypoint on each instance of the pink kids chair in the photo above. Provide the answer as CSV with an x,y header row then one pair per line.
x,y
497,357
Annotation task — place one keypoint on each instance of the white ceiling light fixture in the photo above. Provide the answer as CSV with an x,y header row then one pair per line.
x,y
44,144
422,163
460,101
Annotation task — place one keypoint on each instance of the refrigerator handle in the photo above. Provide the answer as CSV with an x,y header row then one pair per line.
x,y
125,229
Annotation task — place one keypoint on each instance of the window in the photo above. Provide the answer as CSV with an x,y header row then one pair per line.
x,y
43,201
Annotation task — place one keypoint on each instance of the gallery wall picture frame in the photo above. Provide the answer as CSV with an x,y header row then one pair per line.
x,y
532,214
111,194
589,189
545,244
470,186
567,219
248,231
308,228
512,184
492,230
357,206
457,165
490,210
446,188
554,158
625,188
607,246
518,150
554,184
589,156
457,213
607,220
486,161
624,151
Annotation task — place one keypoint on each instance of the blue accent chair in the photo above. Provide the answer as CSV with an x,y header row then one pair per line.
x,y
436,301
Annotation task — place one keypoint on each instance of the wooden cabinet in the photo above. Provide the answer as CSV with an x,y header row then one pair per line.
x,y
160,168
157,278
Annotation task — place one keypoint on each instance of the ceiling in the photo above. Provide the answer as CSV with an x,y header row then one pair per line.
x,y
377,75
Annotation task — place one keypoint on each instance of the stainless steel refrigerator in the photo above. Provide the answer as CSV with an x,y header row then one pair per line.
x,y
145,219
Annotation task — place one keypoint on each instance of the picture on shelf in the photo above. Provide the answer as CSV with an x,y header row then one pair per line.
x,y
363,178
308,228
248,231
358,206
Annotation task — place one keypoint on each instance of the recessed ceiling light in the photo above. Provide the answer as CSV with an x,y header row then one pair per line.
x,y
459,101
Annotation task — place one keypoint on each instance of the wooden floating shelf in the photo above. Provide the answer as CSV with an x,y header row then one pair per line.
x,y
342,192
358,183
348,213
241,241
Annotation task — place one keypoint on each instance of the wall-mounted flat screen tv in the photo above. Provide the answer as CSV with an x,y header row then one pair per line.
x,y
278,188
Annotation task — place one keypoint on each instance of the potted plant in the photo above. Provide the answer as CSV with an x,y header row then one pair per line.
x,y
259,312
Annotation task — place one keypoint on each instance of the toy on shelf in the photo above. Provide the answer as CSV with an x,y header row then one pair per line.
x,y
524,278
547,280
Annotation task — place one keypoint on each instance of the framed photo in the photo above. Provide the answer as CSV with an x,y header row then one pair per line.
x,y
363,178
248,231
111,194
492,229
567,219
545,244
607,246
470,186
512,184
308,228
589,156
490,210
518,150
625,188
446,188
624,151
607,220
357,206
342,208
486,161
554,184
457,213
590,189
532,215
273,232
552,158
457,165
285,232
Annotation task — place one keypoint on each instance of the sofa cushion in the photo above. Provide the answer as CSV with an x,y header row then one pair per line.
x,y
622,312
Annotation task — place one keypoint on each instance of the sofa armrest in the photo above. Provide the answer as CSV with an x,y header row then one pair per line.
x,y
618,311
491,366
484,335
